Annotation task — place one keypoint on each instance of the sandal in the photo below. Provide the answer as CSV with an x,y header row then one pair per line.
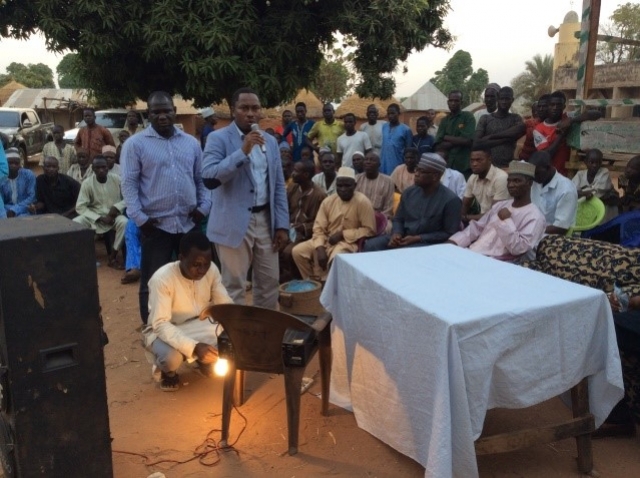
x,y
131,276
169,382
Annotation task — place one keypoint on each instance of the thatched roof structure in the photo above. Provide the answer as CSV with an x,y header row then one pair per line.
x,y
7,90
314,106
358,106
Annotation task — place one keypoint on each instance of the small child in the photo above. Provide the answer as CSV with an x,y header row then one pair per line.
x,y
596,181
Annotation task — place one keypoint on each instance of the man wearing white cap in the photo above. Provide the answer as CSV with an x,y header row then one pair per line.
x,y
343,219
428,213
109,153
512,228
209,116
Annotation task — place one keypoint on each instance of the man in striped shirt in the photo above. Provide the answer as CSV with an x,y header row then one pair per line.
x,y
162,187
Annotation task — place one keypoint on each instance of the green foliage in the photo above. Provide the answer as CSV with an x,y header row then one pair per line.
x,y
335,78
624,23
32,75
70,72
535,81
458,74
205,50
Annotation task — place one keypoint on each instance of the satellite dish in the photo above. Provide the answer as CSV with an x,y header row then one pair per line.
x,y
552,31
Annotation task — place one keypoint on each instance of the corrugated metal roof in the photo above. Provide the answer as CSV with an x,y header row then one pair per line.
x,y
45,98
427,97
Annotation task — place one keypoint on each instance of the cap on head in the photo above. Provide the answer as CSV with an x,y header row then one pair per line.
x,y
206,112
522,167
493,86
108,149
346,172
432,161
12,153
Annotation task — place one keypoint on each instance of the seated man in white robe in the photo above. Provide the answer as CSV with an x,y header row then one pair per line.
x,y
512,228
100,205
178,292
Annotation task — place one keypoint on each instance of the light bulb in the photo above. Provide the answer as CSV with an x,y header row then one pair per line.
x,y
221,367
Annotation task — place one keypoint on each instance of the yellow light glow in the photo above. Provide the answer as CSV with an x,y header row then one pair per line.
x,y
221,367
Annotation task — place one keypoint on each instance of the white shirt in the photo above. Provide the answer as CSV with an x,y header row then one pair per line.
x,y
259,171
375,134
320,181
175,303
558,201
455,181
347,145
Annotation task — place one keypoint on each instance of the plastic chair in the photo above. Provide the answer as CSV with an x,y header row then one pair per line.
x,y
590,213
256,335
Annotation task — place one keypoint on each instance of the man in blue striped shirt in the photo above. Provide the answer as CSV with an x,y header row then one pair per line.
x,y
162,187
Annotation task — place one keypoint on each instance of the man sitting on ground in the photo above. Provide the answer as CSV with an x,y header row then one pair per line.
x,y
19,189
512,228
377,187
82,169
402,176
109,153
304,198
100,205
357,160
343,219
55,193
178,292
487,185
429,213
326,178
555,195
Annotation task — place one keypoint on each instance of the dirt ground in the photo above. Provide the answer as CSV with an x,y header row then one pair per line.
x,y
149,426
170,426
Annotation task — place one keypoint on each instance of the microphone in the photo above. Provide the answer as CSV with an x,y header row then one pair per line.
x,y
256,127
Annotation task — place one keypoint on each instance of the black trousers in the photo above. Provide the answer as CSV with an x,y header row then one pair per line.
x,y
158,248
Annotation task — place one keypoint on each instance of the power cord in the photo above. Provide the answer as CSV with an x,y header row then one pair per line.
x,y
207,453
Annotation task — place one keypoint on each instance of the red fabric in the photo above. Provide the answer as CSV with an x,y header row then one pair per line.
x,y
289,138
528,148
549,134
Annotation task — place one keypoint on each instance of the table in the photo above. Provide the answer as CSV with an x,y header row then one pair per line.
x,y
426,340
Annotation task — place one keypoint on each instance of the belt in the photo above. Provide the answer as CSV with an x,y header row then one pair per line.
x,y
255,209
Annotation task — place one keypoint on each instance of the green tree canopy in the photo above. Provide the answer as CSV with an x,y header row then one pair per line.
x,y
535,81
335,78
69,72
458,74
32,75
624,23
205,50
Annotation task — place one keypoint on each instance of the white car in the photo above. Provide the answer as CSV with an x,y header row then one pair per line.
x,y
114,120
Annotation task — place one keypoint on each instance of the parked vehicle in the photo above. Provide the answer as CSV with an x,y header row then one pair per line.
x,y
114,120
24,130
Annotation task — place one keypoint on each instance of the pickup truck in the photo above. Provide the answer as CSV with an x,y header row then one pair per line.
x,y
25,130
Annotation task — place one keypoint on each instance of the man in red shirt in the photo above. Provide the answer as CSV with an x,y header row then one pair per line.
x,y
551,134
538,115
92,137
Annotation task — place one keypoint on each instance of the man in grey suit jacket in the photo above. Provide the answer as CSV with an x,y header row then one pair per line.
x,y
249,218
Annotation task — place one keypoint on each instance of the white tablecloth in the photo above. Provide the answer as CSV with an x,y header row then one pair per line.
x,y
426,340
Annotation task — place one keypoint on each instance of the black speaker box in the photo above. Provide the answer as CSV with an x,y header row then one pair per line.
x,y
54,420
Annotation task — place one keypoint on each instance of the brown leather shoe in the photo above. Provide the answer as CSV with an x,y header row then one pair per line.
x,y
131,276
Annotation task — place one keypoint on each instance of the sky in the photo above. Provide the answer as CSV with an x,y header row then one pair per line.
x,y
500,35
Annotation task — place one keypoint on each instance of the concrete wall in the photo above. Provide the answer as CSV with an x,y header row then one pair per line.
x,y
612,81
